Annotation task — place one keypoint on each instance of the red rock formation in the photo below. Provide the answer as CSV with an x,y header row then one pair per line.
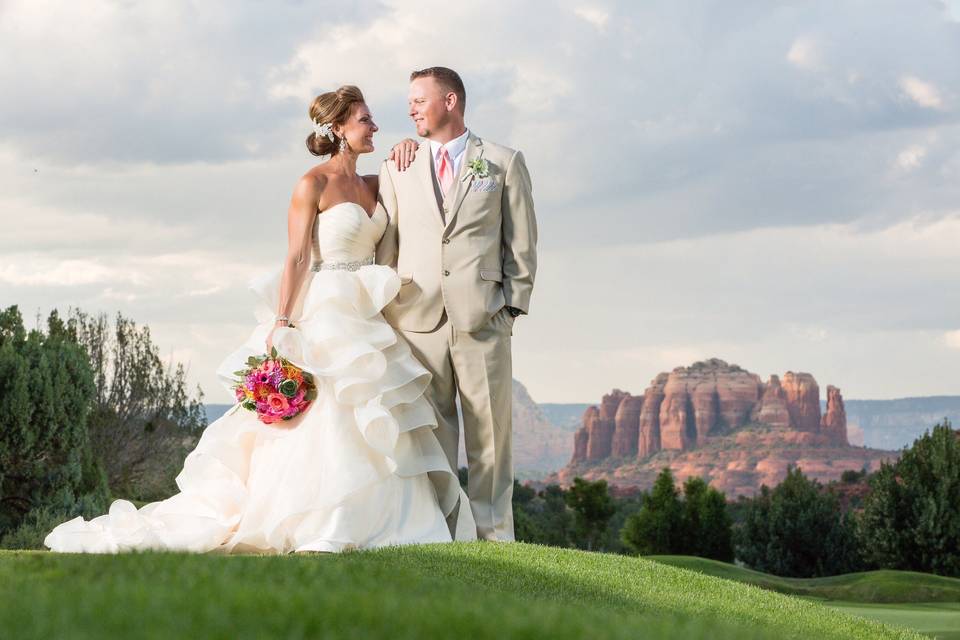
x,y
693,406
677,427
626,432
706,398
581,439
803,401
610,403
706,406
834,421
650,417
772,408
600,427
738,392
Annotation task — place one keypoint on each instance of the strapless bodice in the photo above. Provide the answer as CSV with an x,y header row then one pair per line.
x,y
344,233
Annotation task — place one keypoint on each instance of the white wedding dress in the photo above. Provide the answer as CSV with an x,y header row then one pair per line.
x,y
360,468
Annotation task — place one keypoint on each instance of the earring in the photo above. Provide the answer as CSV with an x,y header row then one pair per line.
x,y
343,145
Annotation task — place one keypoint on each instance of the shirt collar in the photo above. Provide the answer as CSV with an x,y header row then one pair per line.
x,y
455,147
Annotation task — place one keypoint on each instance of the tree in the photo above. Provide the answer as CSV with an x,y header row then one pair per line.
x,y
46,391
697,524
592,508
658,527
543,518
911,517
706,525
798,530
143,422
694,489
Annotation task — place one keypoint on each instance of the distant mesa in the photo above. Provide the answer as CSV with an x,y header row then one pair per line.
x,y
709,398
721,422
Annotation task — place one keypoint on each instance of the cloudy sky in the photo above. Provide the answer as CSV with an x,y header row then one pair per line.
x,y
773,183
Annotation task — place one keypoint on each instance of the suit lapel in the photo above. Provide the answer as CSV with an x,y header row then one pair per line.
x,y
424,175
473,151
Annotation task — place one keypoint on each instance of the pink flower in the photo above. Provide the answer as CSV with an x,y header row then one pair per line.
x,y
266,418
268,366
278,404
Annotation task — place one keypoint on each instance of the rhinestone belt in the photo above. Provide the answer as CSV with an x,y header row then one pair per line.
x,y
341,266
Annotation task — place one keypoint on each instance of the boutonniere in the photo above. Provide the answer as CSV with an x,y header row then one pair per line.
x,y
477,168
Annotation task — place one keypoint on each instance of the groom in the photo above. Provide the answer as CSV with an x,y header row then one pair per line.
x,y
462,236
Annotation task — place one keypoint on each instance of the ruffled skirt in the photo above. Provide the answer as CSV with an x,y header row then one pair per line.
x,y
361,468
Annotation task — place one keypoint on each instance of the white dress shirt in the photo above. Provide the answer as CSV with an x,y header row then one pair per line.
x,y
455,148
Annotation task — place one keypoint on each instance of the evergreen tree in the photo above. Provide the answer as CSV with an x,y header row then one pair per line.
x,y
46,391
698,524
798,530
707,526
716,527
911,517
543,518
658,527
592,508
694,490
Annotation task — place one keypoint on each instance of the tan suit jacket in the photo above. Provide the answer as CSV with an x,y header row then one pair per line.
x,y
471,255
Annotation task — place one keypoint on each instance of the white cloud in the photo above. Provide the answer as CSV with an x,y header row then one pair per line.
x,y
857,308
911,157
952,338
596,16
805,54
55,273
923,93
694,199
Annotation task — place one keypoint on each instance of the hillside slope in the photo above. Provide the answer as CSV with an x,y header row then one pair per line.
x,y
477,590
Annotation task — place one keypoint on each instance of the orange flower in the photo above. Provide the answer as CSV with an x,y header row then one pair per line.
x,y
293,373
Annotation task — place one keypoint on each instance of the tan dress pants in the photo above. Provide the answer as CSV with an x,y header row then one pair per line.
x,y
478,367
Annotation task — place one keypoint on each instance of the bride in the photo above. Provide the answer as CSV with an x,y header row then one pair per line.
x,y
361,467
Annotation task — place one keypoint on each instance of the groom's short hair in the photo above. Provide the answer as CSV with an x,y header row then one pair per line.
x,y
448,79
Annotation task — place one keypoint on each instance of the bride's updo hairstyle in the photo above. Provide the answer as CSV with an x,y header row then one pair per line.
x,y
333,107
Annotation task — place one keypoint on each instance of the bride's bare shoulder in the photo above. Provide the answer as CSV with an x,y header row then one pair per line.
x,y
308,191
312,182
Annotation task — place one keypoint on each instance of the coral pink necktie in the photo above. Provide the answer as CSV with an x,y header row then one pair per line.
x,y
445,171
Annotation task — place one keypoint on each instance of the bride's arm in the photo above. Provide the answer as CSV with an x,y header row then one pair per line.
x,y
303,208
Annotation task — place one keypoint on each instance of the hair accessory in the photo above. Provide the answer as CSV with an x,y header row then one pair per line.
x,y
325,129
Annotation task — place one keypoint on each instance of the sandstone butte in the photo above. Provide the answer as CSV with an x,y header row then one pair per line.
x,y
722,423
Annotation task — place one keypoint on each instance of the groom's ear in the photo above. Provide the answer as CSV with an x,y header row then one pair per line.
x,y
452,101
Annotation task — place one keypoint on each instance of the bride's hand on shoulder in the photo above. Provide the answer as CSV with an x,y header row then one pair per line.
x,y
403,153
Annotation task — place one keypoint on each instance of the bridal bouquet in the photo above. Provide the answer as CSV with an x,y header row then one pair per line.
x,y
274,388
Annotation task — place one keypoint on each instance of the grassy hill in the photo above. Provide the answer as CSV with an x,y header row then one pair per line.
x,y
476,590
868,586
920,601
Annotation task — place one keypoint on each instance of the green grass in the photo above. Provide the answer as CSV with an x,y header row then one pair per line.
x,y
475,591
938,620
867,587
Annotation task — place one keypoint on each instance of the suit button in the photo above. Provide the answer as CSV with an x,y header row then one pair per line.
x,y
446,273
446,241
